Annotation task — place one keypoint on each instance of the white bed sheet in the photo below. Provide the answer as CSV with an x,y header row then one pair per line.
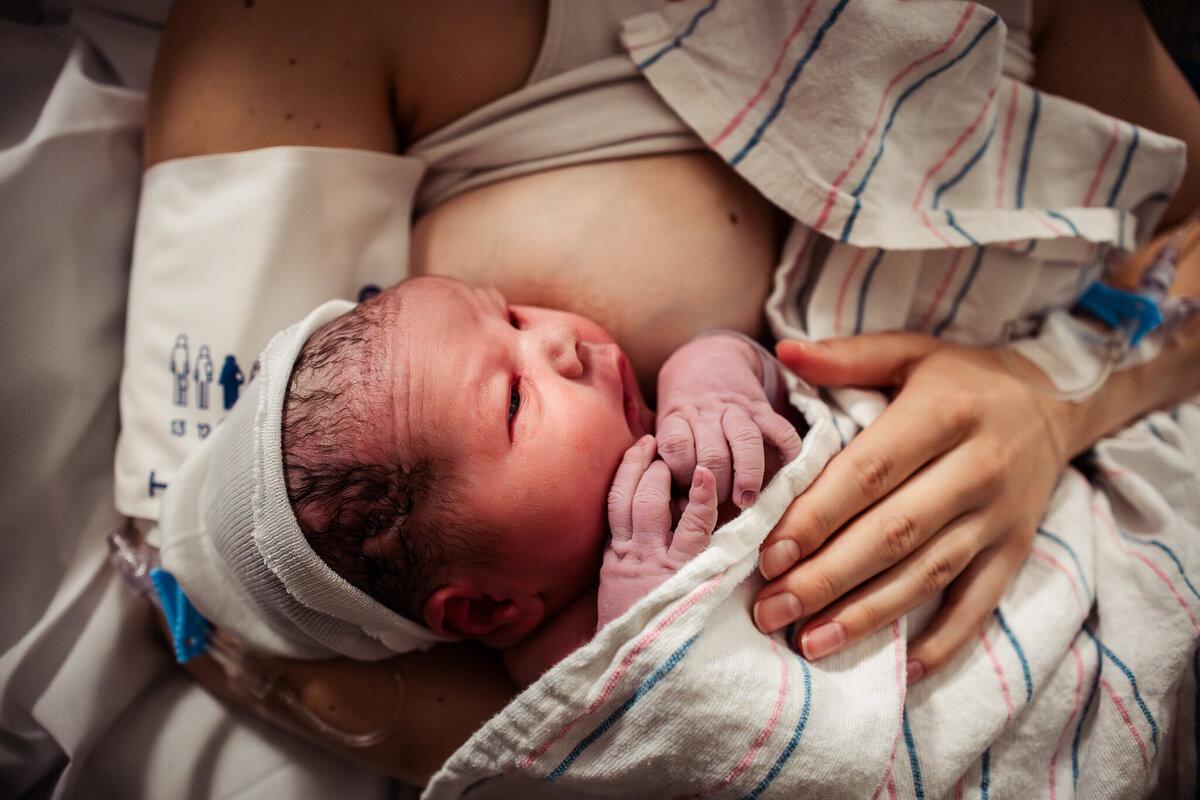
x,y
90,703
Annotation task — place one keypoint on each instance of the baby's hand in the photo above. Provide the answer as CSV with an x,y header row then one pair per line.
x,y
713,411
643,551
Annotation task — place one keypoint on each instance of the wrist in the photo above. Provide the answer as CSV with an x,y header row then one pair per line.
x,y
1129,393
767,368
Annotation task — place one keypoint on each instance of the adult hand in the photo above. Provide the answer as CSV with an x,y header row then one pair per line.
x,y
643,551
943,491
714,412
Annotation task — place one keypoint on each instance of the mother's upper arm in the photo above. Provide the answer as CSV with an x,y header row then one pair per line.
x,y
241,74
367,74
1105,54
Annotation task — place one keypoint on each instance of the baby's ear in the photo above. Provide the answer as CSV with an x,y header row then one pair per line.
x,y
462,610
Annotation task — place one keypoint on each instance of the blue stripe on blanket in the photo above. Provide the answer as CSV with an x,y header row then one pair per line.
x,y
862,290
991,24
613,718
1116,190
1070,224
918,787
1020,654
1075,558
949,184
954,224
797,732
1087,707
678,40
985,774
813,46
962,292
1137,695
1028,148
1152,543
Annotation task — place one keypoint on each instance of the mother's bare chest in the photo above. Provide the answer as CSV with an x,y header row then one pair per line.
x,y
655,249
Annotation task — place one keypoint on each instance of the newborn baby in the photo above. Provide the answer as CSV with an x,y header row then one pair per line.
x,y
462,462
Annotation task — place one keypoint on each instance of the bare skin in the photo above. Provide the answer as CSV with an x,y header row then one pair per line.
x,y
235,75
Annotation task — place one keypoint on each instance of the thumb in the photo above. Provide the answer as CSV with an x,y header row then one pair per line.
x,y
869,359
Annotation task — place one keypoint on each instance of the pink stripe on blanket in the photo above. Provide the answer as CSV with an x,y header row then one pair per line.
x,y
1008,128
1083,613
962,138
841,298
1067,727
762,90
1112,529
748,759
942,289
650,635
833,191
899,648
1008,703
935,232
1124,712
1057,231
1108,151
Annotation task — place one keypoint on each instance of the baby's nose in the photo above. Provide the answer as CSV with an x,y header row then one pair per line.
x,y
561,342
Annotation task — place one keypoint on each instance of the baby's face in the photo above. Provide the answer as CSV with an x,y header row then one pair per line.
x,y
532,410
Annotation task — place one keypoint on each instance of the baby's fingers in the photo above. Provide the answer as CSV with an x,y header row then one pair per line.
x,y
624,488
698,520
746,448
652,510
782,435
677,447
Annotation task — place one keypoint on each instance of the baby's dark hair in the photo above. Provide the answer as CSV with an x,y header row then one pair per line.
x,y
375,524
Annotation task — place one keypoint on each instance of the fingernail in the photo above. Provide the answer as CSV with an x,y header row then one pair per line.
x,y
748,498
915,671
805,344
776,611
823,640
778,558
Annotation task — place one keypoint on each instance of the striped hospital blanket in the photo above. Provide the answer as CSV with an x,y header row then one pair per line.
x,y
933,192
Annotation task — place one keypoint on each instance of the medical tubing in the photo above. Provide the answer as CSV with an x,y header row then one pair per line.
x,y
260,678
1154,285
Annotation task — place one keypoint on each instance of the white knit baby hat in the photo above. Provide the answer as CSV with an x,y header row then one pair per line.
x,y
229,536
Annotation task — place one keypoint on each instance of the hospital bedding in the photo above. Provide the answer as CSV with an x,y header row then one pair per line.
x,y
91,706
1083,682
618,706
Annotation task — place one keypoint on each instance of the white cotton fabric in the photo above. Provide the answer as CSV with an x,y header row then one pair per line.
x,y
228,534
92,704
1084,681
230,249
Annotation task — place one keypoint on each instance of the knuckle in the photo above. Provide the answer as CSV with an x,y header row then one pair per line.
x,y
934,654
651,497
959,409
712,456
804,526
935,572
748,436
619,497
674,445
991,465
827,586
898,535
873,474
871,618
